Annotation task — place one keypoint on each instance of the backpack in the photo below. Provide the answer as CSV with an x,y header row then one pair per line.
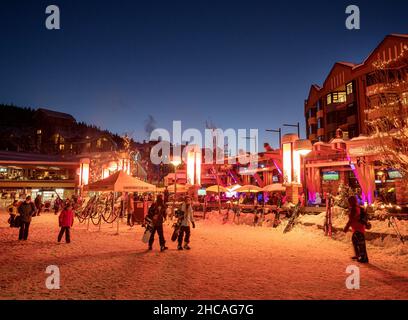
x,y
364,217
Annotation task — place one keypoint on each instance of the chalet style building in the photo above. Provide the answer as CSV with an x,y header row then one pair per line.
x,y
348,91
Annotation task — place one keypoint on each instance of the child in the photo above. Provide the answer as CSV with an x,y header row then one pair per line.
x,y
66,221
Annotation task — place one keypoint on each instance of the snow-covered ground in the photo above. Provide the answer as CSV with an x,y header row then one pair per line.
x,y
227,261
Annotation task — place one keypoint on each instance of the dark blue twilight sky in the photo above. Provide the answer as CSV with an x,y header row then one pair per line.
x,y
240,64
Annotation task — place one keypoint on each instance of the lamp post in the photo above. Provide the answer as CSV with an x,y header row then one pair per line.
x,y
175,162
277,131
295,126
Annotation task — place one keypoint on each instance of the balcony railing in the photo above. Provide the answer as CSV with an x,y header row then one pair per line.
x,y
386,88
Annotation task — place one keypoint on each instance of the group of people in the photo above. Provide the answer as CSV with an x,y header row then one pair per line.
x,y
21,215
156,216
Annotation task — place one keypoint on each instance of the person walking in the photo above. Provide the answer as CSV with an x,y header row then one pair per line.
x,y
358,228
185,231
130,209
27,211
157,215
66,221
38,204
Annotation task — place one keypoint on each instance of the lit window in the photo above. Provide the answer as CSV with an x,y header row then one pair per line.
x,y
61,147
349,88
339,97
329,99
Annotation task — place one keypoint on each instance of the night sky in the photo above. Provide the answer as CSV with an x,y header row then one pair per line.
x,y
240,64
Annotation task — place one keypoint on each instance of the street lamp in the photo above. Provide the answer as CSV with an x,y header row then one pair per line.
x,y
277,131
295,126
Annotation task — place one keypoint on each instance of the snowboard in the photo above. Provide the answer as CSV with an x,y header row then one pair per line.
x,y
148,231
292,219
328,219
176,231
177,226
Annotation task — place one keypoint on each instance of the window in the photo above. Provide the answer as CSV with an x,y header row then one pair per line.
x,y
319,123
349,88
339,97
329,99
319,105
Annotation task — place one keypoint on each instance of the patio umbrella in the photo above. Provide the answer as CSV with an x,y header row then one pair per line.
x,y
215,187
274,187
249,188
233,187
121,182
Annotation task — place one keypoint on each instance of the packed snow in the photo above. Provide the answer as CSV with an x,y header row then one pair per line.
x,y
227,261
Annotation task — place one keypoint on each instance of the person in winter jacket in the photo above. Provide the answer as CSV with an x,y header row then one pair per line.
x,y
26,210
130,209
185,225
38,204
358,228
157,214
66,221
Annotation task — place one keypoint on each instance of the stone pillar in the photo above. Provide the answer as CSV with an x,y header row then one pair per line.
x,y
292,193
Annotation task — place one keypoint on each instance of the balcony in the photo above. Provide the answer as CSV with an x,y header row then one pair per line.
x,y
386,88
311,121
312,137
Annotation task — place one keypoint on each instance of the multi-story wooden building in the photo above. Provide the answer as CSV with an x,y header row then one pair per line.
x,y
349,90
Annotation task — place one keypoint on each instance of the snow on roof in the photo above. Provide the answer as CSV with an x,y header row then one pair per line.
x,y
348,64
56,114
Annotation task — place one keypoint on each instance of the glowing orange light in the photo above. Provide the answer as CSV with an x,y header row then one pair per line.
x,y
190,167
198,167
287,162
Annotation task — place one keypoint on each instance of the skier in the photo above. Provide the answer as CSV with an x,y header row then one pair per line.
x,y
157,214
66,220
188,219
358,228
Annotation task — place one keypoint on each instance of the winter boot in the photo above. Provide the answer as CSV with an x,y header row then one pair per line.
x,y
163,248
179,247
186,246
